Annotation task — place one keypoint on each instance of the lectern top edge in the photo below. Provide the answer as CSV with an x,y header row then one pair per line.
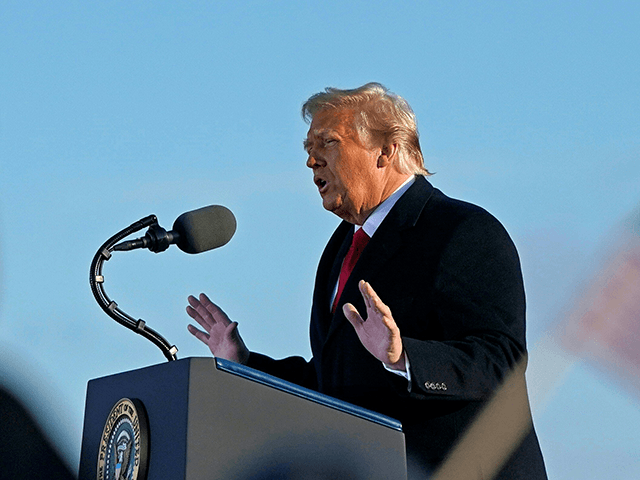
x,y
293,389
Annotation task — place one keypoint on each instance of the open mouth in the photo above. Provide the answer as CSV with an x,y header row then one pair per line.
x,y
320,183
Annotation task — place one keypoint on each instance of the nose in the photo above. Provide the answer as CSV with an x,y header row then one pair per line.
x,y
311,161
315,158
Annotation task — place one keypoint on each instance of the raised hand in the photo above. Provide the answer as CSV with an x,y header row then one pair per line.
x,y
220,334
378,333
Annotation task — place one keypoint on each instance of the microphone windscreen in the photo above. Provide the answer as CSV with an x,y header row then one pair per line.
x,y
204,229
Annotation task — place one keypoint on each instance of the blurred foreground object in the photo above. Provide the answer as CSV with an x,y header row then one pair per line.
x,y
603,328
25,453
495,435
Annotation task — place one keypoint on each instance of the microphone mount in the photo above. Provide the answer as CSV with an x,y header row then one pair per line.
x,y
157,240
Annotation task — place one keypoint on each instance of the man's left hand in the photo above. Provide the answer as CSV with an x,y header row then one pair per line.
x,y
378,333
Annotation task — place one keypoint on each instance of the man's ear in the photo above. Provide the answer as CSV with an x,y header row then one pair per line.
x,y
388,155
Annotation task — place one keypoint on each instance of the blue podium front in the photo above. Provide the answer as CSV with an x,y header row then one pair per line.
x,y
205,418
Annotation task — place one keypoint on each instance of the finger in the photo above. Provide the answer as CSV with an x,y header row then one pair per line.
x,y
207,315
193,301
199,313
203,337
382,308
362,286
193,313
352,315
376,303
214,310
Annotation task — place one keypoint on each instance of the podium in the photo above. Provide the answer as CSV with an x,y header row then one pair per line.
x,y
209,418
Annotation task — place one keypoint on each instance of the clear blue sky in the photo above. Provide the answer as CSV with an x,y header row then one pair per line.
x,y
110,111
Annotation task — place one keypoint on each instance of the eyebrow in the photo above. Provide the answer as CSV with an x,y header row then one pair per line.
x,y
317,133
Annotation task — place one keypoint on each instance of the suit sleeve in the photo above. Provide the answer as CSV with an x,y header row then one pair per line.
x,y
292,369
479,311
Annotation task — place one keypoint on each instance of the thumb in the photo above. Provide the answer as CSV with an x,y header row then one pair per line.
x,y
232,331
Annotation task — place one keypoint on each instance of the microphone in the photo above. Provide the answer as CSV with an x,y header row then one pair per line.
x,y
193,232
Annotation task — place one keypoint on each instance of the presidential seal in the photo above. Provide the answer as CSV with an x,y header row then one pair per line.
x,y
124,444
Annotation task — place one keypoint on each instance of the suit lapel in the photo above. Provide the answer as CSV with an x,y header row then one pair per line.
x,y
389,237
326,278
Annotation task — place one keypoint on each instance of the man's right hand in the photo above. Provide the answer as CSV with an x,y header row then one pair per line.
x,y
220,334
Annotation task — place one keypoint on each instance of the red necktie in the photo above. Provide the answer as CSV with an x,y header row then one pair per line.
x,y
360,240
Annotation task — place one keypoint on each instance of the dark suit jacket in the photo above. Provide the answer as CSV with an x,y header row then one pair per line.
x,y
451,276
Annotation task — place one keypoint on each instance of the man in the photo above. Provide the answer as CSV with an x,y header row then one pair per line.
x,y
431,319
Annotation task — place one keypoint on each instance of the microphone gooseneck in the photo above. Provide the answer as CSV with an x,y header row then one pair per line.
x,y
193,232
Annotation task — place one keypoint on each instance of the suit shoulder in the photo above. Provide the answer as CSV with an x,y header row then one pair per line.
x,y
455,212
455,225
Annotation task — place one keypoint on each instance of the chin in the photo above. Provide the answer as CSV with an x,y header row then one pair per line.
x,y
329,205
337,209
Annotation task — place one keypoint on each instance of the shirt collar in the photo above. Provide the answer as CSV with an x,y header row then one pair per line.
x,y
374,220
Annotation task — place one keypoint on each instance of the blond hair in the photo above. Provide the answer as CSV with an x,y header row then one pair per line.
x,y
379,112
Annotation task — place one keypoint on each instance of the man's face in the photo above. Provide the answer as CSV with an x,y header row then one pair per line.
x,y
344,167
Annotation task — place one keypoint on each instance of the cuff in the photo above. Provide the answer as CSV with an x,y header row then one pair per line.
x,y
403,373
